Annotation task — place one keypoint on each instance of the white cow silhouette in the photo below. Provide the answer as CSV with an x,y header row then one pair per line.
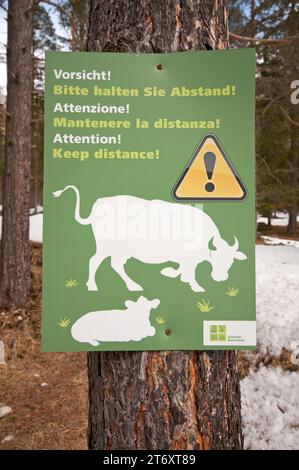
x,y
124,227
132,324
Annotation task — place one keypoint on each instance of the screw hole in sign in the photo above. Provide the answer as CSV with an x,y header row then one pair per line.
x,y
159,66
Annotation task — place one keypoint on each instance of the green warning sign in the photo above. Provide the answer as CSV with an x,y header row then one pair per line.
x,y
149,217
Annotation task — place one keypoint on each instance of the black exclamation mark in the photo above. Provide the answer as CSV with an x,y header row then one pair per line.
x,y
209,161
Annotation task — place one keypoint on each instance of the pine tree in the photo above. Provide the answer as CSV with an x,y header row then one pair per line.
x,y
43,38
15,259
74,17
162,400
277,119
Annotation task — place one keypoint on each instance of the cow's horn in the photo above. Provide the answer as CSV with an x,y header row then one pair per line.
x,y
216,241
236,244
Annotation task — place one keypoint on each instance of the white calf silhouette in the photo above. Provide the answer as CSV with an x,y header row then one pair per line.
x,y
132,324
127,227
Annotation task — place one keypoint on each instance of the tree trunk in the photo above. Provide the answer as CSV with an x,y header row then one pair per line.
x,y
162,400
269,219
292,223
79,13
15,259
294,158
35,158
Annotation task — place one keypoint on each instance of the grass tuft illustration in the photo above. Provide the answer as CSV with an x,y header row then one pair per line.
x,y
71,283
160,320
232,291
64,322
204,306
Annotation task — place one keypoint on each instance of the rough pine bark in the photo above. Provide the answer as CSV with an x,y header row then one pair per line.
x,y
162,400
15,260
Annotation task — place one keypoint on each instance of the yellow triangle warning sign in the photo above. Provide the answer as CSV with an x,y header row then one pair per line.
x,y
209,175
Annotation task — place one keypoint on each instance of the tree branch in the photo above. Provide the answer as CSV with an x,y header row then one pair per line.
x,y
273,101
286,114
270,171
282,109
3,8
261,41
66,13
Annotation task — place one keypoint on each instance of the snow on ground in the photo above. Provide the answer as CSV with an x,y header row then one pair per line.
x,y
37,210
270,409
277,285
279,241
270,398
281,219
36,226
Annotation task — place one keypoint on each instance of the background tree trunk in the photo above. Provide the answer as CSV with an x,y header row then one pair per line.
x,y
162,400
15,260
293,189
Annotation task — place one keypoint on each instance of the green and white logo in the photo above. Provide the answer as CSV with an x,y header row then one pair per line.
x,y
218,333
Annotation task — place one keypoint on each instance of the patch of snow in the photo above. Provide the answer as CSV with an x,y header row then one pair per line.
x,y
35,227
294,347
270,409
279,241
281,219
274,222
38,210
277,277
282,215
7,438
5,410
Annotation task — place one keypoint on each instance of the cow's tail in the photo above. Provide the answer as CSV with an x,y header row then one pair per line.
x,y
78,218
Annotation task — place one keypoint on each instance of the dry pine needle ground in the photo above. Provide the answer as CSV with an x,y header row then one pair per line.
x,y
52,416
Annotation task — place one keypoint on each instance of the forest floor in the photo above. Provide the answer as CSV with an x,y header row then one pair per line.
x,y
276,233
47,392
